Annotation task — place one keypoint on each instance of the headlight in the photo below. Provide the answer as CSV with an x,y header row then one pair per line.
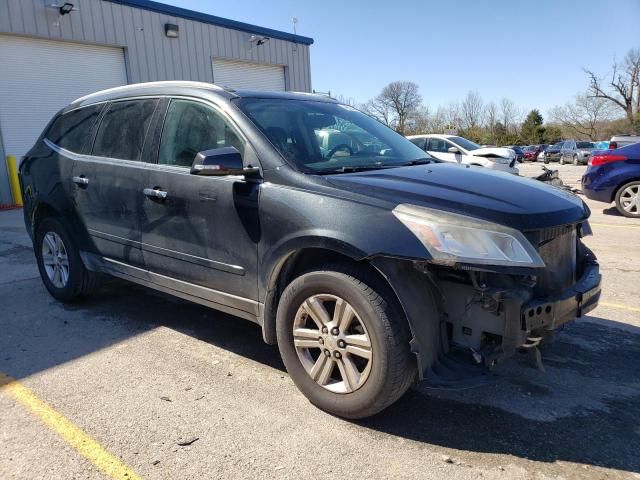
x,y
501,160
451,238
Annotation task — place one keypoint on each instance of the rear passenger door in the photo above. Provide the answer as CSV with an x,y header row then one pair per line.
x,y
68,138
109,182
201,237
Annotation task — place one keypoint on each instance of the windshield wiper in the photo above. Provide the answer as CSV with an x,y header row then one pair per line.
x,y
350,169
417,161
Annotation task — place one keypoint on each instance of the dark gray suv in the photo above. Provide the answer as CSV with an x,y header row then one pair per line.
x,y
576,152
365,262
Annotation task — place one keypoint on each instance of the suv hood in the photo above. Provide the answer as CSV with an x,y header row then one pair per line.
x,y
517,202
489,152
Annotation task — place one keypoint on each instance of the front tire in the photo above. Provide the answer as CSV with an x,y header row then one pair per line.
x,y
628,200
344,341
59,263
561,159
576,162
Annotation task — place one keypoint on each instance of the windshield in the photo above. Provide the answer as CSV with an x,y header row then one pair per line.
x,y
585,145
464,143
323,137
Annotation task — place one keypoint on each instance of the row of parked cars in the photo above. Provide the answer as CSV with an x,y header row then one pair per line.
x,y
613,174
575,152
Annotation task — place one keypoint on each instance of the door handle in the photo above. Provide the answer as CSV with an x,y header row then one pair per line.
x,y
155,193
81,180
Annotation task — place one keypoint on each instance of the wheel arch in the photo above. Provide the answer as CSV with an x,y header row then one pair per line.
x,y
41,211
306,258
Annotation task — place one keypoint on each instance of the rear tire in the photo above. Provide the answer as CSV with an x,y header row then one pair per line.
x,y
628,200
315,360
61,268
546,160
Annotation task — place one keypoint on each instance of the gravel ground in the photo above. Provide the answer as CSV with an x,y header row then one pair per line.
x,y
142,372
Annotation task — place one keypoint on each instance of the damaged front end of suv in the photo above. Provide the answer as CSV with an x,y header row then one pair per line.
x,y
495,289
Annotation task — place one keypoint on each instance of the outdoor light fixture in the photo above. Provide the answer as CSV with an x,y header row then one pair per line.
x,y
66,8
171,30
258,40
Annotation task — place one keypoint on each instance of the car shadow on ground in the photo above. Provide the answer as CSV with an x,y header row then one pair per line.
x,y
583,409
591,380
613,211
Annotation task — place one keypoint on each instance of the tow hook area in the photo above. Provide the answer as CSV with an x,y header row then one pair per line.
x,y
531,348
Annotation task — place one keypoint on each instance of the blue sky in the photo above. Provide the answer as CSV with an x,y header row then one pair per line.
x,y
531,51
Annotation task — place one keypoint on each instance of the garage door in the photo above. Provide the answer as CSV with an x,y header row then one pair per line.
x,y
254,76
40,76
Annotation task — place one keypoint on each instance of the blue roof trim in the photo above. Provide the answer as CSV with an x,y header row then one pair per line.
x,y
212,19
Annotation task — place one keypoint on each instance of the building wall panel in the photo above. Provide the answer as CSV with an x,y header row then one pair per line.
x,y
150,54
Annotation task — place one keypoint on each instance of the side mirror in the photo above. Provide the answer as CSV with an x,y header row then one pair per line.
x,y
220,162
453,150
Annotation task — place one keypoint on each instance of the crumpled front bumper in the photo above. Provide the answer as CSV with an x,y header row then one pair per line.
x,y
551,312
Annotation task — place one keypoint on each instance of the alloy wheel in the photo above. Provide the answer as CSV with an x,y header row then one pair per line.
x,y
332,343
55,259
630,199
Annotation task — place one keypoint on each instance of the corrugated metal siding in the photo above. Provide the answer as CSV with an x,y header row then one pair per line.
x,y
150,54
251,75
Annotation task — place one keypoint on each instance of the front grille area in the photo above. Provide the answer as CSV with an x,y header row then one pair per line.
x,y
557,247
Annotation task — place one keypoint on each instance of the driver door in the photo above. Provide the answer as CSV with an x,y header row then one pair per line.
x,y
201,238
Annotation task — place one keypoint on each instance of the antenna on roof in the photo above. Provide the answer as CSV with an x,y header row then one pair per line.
x,y
294,20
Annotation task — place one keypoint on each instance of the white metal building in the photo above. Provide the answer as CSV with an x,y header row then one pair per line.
x,y
48,57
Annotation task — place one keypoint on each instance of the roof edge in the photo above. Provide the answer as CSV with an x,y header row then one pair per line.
x,y
212,20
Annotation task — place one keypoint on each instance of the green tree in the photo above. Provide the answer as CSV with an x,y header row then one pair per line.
x,y
552,134
532,131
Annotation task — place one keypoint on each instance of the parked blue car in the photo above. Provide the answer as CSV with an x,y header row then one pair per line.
x,y
614,176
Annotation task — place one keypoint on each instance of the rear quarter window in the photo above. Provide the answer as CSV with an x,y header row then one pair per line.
x,y
123,129
72,130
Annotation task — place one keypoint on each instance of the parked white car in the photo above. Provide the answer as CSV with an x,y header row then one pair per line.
x,y
455,149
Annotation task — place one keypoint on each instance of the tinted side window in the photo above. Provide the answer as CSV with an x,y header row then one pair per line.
x,y
438,145
72,130
123,128
418,142
191,127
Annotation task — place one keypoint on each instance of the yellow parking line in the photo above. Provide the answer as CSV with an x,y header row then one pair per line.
x,y
79,440
618,305
613,225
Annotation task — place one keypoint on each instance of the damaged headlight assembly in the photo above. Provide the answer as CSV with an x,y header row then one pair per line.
x,y
452,238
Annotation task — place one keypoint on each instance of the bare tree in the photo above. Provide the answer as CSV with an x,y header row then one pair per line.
x,y
397,102
585,117
471,109
452,115
380,110
509,114
622,89
419,122
346,100
490,121
490,114
437,121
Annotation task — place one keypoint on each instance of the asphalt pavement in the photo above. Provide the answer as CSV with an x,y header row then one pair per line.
x,y
172,390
